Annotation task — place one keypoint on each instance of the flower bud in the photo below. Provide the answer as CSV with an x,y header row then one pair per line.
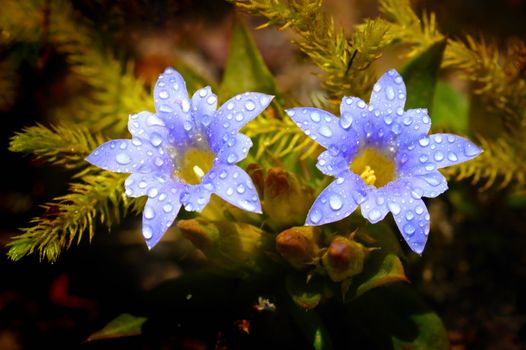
x,y
286,201
228,245
298,246
344,258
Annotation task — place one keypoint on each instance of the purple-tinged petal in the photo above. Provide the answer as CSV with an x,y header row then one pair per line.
x,y
434,152
173,105
204,105
196,197
389,93
375,208
138,185
125,157
234,114
159,213
428,185
323,127
411,217
147,127
331,164
354,114
338,200
414,124
234,149
233,184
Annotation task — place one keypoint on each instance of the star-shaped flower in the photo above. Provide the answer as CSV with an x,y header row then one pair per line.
x,y
383,159
184,152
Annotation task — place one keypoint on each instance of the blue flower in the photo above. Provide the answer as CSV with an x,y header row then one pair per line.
x,y
184,152
383,159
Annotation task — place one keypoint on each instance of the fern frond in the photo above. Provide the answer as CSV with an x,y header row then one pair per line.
x,y
98,196
116,91
406,27
325,44
66,145
278,138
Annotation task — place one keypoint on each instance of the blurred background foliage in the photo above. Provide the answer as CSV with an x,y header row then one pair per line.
x,y
72,71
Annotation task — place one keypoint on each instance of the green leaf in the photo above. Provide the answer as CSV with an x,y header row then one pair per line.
x,y
420,76
306,295
311,325
394,316
193,79
383,266
245,69
125,325
450,108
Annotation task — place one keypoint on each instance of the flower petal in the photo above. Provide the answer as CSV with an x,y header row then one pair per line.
x,y
338,200
196,197
233,184
354,114
234,114
147,127
434,152
172,103
375,208
159,213
323,127
428,185
204,105
125,157
235,148
389,92
414,123
138,185
332,164
412,218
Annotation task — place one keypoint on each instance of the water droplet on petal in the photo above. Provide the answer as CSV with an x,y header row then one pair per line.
x,y
409,229
156,139
123,158
229,191
374,214
315,116
452,156
409,215
361,104
419,210
230,106
162,197
231,158
325,131
202,92
389,93
388,120
394,208
398,80
315,216
335,201
400,112
167,208
346,121
148,213
223,174
470,150
439,156
185,104
424,142
250,106
147,232
377,87
211,100
136,141
152,193
164,94
241,188
153,120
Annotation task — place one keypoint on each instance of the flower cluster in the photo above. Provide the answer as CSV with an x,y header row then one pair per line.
x,y
381,156
383,159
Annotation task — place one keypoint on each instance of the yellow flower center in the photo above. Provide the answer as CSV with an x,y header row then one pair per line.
x,y
193,165
374,167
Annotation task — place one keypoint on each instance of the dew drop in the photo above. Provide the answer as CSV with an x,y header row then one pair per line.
x,y
325,131
241,188
156,139
377,87
439,156
424,142
315,116
185,104
400,112
162,197
153,120
374,214
346,121
167,208
152,193
149,213
123,158
419,210
136,141
423,158
250,106
315,216
409,229
361,104
202,92
211,100
409,215
389,93
452,156
223,174
394,208
147,232
335,202
398,80
388,120
158,161
230,106
164,94
229,191
438,138
470,150
231,158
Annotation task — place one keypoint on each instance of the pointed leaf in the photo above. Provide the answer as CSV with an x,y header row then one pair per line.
x,y
450,108
245,69
306,295
420,76
125,325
